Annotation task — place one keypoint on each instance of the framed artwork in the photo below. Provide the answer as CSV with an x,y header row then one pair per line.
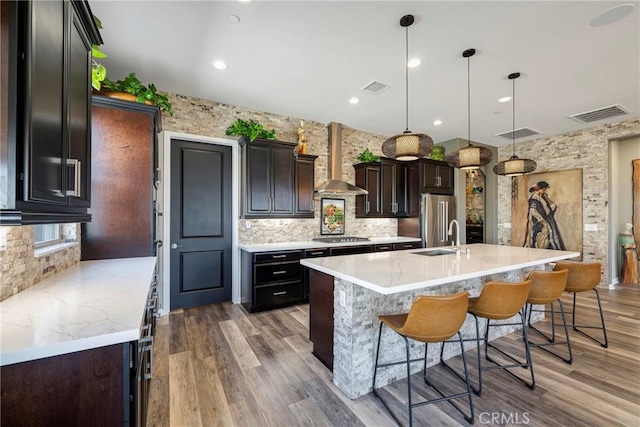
x,y
547,210
332,216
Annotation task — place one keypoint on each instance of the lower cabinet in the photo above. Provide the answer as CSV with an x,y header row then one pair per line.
x,y
271,279
104,386
277,279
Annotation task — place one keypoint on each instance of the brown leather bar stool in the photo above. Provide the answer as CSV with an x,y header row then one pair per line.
x,y
584,276
499,301
431,319
547,288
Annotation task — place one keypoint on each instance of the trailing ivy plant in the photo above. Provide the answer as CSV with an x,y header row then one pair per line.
x,y
132,85
250,129
367,156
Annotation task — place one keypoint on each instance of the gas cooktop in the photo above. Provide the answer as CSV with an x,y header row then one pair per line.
x,y
340,239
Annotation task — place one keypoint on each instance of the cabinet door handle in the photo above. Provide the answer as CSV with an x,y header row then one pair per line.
x,y
280,272
149,367
366,210
278,256
279,293
77,175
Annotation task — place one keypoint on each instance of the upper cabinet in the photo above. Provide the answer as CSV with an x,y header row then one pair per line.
x,y
394,186
47,128
276,183
435,177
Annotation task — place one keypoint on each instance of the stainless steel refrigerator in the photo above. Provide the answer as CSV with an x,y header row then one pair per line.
x,y
436,212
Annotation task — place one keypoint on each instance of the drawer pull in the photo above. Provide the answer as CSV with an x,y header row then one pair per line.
x,y
278,256
279,293
316,253
280,272
383,247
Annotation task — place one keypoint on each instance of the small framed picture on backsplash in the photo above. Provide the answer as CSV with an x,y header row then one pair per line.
x,y
332,216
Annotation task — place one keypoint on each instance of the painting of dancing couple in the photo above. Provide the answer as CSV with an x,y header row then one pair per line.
x,y
547,210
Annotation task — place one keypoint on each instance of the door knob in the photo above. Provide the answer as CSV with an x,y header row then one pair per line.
x,y
175,246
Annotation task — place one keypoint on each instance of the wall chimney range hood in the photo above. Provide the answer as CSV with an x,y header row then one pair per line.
x,y
335,183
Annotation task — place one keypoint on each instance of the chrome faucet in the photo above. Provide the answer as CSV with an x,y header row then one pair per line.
x,y
450,233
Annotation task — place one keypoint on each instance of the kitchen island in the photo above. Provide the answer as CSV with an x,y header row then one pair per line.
x,y
347,293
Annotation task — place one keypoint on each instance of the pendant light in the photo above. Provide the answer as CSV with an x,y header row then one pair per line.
x,y
514,166
471,156
407,146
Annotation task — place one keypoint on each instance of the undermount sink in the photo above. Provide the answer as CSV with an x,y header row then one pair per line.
x,y
436,252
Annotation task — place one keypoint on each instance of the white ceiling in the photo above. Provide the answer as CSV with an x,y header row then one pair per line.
x,y
305,59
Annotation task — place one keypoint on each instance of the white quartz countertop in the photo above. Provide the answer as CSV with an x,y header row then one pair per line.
x,y
400,271
89,305
310,244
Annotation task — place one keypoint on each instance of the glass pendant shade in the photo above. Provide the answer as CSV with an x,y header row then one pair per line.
x,y
515,166
471,156
407,146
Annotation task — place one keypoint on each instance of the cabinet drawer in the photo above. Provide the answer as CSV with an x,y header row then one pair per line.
x,y
383,247
279,294
348,250
406,245
277,256
278,272
310,253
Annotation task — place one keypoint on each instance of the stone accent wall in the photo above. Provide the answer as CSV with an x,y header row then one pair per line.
x,y
356,327
21,269
209,118
586,149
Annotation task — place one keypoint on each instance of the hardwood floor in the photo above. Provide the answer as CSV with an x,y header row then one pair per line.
x,y
221,366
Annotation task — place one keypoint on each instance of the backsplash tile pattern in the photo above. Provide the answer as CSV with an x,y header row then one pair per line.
x,y
208,118
21,270
586,149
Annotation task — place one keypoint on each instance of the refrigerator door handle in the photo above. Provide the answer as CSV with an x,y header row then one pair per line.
x,y
446,220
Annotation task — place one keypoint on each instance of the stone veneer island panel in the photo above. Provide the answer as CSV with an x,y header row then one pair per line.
x,y
368,285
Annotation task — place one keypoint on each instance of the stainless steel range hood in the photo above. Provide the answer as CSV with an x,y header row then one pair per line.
x,y
335,184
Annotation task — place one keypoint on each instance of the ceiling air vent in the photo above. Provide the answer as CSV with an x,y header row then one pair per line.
x,y
518,133
600,114
375,87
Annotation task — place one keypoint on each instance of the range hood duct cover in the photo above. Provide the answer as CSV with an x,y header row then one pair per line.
x,y
335,183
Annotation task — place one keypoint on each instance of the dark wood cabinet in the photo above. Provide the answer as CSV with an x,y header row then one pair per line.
x,y
393,190
104,386
475,233
304,186
276,183
435,177
272,279
368,176
48,90
387,184
124,146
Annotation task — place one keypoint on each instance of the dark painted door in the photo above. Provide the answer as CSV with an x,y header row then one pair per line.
x,y
201,224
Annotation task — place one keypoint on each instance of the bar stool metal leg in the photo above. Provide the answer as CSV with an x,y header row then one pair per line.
x,y
575,327
551,340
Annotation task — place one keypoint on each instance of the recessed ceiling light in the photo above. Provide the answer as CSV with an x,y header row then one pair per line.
x,y
234,19
612,15
219,65
354,100
437,122
414,62
504,99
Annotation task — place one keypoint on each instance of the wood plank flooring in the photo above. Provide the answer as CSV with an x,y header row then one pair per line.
x,y
221,366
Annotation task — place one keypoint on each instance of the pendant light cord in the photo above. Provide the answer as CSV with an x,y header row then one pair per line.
x,y
406,80
468,101
513,115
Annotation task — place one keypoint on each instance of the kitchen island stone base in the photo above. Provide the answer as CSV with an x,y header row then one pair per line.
x,y
356,326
